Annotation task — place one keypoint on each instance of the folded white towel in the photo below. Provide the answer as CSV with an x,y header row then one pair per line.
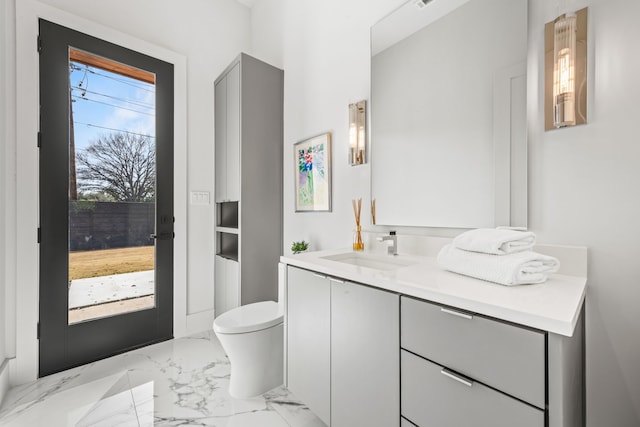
x,y
519,268
495,241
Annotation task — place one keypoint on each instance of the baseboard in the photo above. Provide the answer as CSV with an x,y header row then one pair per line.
x,y
199,322
4,379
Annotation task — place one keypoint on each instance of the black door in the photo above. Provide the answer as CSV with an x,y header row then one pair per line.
x,y
106,199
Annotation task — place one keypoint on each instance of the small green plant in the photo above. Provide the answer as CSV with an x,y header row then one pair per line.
x,y
297,247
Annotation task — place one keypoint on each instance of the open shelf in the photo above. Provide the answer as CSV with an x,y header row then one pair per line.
x,y
227,245
227,214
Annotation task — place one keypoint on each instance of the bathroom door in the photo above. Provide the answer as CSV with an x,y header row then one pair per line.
x,y
106,199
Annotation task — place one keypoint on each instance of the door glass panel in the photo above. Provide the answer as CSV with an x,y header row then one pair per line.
x,y
112,186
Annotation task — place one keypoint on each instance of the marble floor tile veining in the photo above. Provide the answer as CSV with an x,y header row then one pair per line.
x,y
182,382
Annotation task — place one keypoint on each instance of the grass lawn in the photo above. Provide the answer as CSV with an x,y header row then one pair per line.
x,y
110,261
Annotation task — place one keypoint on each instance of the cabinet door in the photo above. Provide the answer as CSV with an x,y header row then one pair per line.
x,y
232,284
227,136
233,134
221,140
308,340
226,285
365,365
219,286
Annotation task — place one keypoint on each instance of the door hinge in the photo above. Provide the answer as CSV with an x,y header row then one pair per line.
x,y
39,234
39,44
39,139
38,331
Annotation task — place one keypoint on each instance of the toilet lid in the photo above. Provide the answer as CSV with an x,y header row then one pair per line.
x,y
249,318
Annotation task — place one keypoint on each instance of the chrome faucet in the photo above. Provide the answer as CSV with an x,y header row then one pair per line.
x,y
392,248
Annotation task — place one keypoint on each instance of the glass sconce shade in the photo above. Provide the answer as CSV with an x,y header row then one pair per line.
x,y
357,133
564,72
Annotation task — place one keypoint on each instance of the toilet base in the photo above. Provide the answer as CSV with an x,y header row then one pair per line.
x,y
256,360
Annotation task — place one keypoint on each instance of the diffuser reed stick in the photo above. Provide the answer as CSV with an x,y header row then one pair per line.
x,y
358,244
373,211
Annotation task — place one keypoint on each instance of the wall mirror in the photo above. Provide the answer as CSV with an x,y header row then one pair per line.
x,y
448,114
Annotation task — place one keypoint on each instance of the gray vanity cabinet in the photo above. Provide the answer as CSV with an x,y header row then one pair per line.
x,y
359,355
342,349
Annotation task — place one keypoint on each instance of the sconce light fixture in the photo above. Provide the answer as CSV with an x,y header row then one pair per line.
x,y
566,70
357,132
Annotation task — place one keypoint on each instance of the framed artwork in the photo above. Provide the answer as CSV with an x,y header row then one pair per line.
x,y
313,174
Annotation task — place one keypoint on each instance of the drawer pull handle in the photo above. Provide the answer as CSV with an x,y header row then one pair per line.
x,y
459,378
320,275
456,313
333,279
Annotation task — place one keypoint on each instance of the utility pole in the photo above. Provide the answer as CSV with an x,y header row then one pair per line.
x,y
73,183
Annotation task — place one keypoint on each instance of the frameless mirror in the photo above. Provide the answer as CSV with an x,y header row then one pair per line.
x,y
448,114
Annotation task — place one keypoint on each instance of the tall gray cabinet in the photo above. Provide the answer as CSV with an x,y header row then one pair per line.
x,y
248,182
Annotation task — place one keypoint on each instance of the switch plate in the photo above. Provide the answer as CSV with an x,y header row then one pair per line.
x,y
200,198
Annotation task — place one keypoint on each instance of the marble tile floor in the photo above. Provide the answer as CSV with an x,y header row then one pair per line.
x,y
182,382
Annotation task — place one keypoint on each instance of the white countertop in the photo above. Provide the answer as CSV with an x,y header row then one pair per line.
x,y
552,306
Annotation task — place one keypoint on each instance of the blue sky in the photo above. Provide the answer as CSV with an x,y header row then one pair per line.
x,y
104,101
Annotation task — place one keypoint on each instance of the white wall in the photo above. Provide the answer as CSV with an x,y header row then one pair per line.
x,y
201,39
583,182
3,157
324,50
584,190
7,193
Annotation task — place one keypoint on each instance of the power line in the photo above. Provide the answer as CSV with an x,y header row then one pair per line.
x,y
92,71
117,130
112,105
139,104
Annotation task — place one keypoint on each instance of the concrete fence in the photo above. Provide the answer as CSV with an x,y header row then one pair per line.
x,y
106,225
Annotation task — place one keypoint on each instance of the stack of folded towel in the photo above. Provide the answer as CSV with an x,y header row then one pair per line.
x,y
502,256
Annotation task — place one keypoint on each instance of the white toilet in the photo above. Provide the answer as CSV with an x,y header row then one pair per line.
x,y
253,337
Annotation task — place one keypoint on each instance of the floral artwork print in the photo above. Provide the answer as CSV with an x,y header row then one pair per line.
x,y
312,174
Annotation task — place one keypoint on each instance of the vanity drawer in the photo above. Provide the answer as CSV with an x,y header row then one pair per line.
x,y
501,355
406,423
433,398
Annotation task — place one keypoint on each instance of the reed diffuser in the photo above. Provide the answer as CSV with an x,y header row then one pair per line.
x,y
358,244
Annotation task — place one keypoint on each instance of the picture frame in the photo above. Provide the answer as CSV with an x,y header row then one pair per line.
x,y
312,167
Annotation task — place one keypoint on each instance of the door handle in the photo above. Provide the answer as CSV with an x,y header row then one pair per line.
x,y
167,235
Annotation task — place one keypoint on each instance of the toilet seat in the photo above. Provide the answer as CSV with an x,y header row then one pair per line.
x,y
249,318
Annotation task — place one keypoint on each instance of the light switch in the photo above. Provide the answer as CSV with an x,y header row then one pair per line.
x,y
200,198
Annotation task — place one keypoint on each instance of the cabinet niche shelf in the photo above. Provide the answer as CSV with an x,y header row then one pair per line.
x,y
228,245
227,214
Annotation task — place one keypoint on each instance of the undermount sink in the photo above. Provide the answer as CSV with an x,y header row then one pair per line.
x,y
374,261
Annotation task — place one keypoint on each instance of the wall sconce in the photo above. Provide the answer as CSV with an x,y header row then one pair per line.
x,y
357,132
566,70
